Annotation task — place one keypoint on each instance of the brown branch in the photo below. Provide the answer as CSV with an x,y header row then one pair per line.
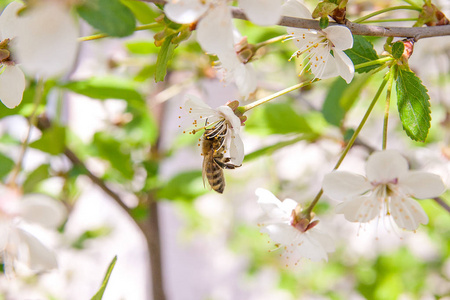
x,y
442,203
356,29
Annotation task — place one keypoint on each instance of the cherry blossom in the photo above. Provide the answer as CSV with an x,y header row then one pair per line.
x,y
323,49
386,191
299,238
17,244
223,120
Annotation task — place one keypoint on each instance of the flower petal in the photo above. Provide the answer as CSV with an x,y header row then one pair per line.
x,y
46,40
281,233
8,20
185,11
230,116
262,12
236,149
43,210
294,8
340,36
422,185
385,166
271,205
12,85
40,257
322,63
341,184
245,79
344,65
359,209
215,30
4,232
407,213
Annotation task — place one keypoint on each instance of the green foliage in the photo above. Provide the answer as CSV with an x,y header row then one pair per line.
x,y
35,177
99,294
141,47
277,118
164,56
397,50
185,186
142,11
52,141
80,242
6,165
413,105
362,52
323,23
111,17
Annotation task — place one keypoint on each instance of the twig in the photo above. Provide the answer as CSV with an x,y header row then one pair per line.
x,y
356,29
442,203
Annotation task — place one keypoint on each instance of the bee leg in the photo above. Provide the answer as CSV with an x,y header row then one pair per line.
x,y
225,165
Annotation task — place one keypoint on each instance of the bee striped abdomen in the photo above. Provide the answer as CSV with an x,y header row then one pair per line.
x,y
215,177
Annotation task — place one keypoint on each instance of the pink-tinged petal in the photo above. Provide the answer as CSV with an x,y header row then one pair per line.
x,y
185,11
344,65
47,40
43,210
340,36
360,209
407,213
12,85
4,232
421,185
281,233
294,8
236,148
8,20
40,257
262,12
215,30
341,184
386,166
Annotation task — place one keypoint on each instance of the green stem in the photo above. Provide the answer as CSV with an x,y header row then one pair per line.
x,y
102,35
386,109
270,41
32,121
247,107
389,20
381,11
412,3
373,62
307,211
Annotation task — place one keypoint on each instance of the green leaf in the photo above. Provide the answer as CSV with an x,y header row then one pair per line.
x,y
164,56
142,47
397,50
185,186
277,118
6,165
109,16
80,242
99,294
52,141
143,12
35,177
413,105
362,52
106,88
112,150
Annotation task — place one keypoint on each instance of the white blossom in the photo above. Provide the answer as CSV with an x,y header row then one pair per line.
x,y
296,241
323,49
17,244
387,190
223,119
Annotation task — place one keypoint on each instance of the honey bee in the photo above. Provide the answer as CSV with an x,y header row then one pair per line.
x,y
214,160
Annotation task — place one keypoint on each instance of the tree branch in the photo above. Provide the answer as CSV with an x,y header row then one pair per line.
x,y
442,203
356,29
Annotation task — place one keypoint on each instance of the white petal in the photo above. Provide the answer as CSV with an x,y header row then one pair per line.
x,y
236,148
185,11
359,209
230,116
8,20
215,30
385,166
407,213
422,185
323,64
294,8
305,39
344,65
40,257
4,232
340,36
43,210
281,233
312,248
341,184
272,206
245,78
262,12
323,238
46,40
12,85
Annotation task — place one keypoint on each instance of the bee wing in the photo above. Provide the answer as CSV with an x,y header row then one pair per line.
x,y
205,179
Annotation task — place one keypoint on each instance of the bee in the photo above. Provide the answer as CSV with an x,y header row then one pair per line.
x,y
214,160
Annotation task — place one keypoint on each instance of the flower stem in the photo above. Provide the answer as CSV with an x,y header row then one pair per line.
x,y
373,62
412,3
381,11
386,109
102,35
307,211
389,20
254,104
270,41
32,121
